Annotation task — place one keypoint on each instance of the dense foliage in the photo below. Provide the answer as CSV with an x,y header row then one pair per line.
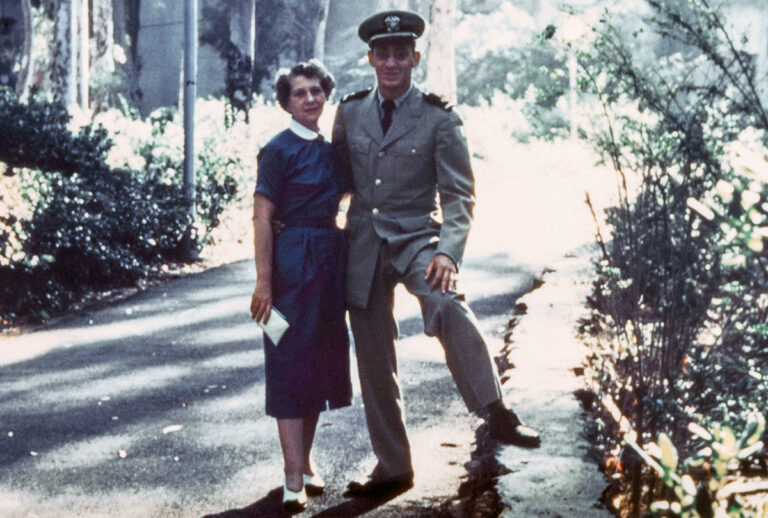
x,y
534,72
505,54
678,307
77,214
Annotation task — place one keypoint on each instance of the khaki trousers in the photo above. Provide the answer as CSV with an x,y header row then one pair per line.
x,y
449,318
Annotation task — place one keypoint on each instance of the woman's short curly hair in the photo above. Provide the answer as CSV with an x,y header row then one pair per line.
x,y
310,69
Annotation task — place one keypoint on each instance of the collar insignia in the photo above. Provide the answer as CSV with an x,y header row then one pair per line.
x,y
393,23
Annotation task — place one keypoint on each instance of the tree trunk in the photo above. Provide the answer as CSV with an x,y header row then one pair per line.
x,y
63,62
242,28
321,28
242,35
102,44
25,76
102,53
126,27
286,34
441,67
83,53
15,44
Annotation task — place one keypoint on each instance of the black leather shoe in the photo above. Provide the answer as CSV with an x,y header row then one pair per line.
x,y
506,427
374,487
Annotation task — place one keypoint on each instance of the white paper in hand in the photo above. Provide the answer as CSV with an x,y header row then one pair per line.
x,y
275,327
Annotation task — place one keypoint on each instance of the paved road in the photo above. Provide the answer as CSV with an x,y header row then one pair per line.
x,y
153,407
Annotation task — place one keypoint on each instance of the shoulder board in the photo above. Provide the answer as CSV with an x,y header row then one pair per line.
x,y
436,100
356,95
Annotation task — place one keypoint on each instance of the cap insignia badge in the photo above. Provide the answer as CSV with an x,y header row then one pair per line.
x,y
393,23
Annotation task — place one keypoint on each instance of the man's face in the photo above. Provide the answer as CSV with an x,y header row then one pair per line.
x,y
394,63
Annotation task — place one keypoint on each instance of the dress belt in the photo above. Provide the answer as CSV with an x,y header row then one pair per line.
x,y
311,222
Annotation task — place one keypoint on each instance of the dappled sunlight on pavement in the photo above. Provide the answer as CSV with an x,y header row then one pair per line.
x,y
545,353
31,345
154,405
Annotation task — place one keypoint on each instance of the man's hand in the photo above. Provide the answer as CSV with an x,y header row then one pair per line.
x,y
277,226
261,303
441,272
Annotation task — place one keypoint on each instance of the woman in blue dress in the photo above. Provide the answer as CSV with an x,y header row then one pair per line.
x,y
300,272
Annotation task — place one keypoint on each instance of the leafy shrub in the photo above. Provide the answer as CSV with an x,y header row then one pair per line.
x,y
84,215
37,135
530,67
702,484
727,370
677,323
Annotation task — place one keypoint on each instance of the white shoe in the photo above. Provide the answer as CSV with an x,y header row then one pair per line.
x,y
294,501
314,484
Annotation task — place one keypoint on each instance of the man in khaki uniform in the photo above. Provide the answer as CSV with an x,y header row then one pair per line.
x,y
401,148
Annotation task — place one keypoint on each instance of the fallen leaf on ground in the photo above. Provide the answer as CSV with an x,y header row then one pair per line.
x,y
172,428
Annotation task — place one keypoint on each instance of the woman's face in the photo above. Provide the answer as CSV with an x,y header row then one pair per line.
x,y
306,101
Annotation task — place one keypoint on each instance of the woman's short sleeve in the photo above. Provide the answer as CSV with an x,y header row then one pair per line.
x,y
271,165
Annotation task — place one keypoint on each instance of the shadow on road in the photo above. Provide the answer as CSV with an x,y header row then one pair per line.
x,y
271,507
156,402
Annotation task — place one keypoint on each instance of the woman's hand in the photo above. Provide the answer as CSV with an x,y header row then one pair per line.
x,y
263,241
261,302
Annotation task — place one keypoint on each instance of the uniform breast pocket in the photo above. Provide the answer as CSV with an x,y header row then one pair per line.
x,y
359,147
412,150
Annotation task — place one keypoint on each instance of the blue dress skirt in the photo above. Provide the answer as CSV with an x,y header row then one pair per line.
x,y
308,370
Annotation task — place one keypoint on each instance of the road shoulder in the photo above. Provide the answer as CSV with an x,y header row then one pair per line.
x,y
556,479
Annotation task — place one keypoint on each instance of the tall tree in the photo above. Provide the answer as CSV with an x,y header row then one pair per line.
x,y
102,52
82,48
15,43
441,66
762,61
70,69
286,33
321,29
63,59
126,16
239,56
242,28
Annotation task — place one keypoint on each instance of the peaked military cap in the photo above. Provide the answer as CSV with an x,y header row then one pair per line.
x,y
391,24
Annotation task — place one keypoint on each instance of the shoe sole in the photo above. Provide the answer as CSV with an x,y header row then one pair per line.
x,y
377,490
292,506
314,490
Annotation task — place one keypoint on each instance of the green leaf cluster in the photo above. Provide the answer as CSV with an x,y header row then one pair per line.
x,y
701,485
72,224
678,308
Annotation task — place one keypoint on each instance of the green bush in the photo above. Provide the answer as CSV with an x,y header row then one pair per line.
x,y
505,53
80,215
677,322
702,485
36,135
727,369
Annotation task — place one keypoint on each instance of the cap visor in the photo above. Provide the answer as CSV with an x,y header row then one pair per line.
x,y
392,36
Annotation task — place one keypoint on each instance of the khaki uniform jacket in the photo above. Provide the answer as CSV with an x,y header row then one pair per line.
x,y
395,182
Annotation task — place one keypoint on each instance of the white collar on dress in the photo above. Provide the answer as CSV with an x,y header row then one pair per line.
x,y
302,131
